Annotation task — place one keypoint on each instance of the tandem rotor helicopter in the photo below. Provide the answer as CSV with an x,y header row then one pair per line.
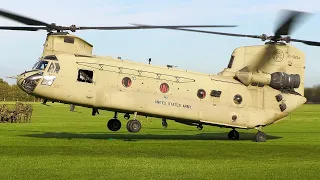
x,y
261,85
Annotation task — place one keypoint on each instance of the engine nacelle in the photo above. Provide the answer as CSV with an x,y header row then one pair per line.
x,y
281,80
277,80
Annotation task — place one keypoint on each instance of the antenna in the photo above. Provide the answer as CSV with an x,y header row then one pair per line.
x,y
171,66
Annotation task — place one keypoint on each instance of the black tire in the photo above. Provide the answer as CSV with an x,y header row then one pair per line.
x,y
233,135
134,126
114,125
200,127
128,124
164,124
260,137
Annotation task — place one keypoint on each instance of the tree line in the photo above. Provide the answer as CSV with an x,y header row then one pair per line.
x,y
14,93
312,94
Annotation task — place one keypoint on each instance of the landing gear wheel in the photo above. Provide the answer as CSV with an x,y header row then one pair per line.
x,y
133,126
164,123
114,125
233,135
260,137
200,127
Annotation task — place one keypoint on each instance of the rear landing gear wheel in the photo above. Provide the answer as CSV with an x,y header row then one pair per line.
x,y
133,126
260,137
200,127
233,135
114,125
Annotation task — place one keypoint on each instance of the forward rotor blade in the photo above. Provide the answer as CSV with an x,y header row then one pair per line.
x,y
17,28
12,77
289,23
22,19
311,43
151,27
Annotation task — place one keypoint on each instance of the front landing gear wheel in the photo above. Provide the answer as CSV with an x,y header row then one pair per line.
x,y
260,137
114,125
133,126
233,135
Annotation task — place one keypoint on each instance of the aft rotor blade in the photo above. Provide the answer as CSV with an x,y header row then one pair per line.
x,y
183,26
151,27
264,57
311,43
18,28
22,19
220,33
288,24
208,32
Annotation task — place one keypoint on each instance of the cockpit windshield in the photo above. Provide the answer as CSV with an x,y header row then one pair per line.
x,y
40,65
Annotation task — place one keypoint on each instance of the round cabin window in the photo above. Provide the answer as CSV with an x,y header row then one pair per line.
x,y
126,82
164,87
201,93
237,99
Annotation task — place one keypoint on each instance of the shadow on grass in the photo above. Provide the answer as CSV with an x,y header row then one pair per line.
x,y
135,137
171,129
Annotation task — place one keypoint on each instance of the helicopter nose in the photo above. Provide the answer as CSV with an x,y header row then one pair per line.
x,y
19,81
28,81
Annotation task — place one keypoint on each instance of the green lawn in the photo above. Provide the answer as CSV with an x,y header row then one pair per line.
x,y
60,144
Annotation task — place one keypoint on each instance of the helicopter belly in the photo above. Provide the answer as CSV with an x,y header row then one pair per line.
x,y
185,109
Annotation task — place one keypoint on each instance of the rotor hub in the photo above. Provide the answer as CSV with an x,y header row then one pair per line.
x,y
73,28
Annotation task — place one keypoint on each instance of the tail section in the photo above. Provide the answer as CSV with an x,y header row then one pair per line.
x,y
281,66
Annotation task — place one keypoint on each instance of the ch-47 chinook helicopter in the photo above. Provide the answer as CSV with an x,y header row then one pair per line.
x,y
261,85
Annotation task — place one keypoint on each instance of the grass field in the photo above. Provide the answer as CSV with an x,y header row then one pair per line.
x,y
60,144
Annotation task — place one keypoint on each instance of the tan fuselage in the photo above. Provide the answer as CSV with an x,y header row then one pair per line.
x,y
258,107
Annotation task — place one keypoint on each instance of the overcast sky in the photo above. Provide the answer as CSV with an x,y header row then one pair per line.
x,y
192,51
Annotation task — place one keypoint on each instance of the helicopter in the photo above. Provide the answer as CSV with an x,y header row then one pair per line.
x,y
261,85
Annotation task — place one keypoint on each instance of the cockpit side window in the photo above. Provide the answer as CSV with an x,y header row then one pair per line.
x,y
57,68
35,65
231,61
51,68
40,65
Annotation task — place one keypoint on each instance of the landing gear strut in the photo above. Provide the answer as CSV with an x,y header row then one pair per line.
x,y
114,124
94,111
127,116
200,127
134,125
233,135
260,136
164,123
